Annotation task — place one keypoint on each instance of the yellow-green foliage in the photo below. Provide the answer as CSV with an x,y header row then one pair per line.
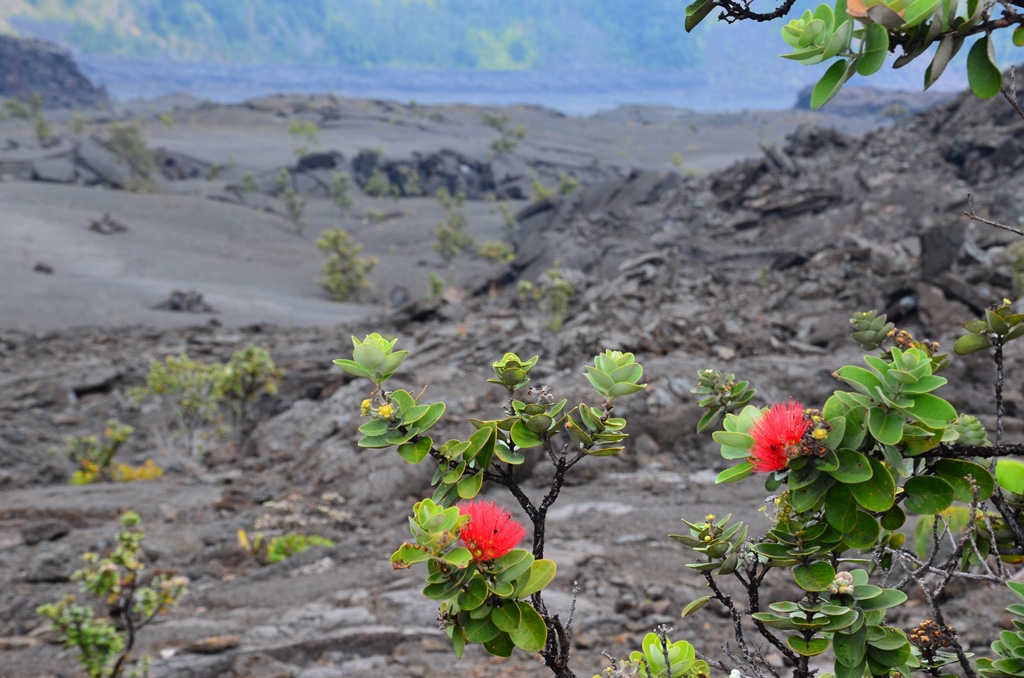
x,y
31,112
305,129
538,191
190,387
96,458
378,185
450,237
249,372
497,252
294,203
552,296
339,190
129,599
508,137
344,273
567,184
280,547
125,139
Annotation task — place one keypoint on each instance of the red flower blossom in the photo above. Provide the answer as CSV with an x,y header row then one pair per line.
x,y
491,532
776,434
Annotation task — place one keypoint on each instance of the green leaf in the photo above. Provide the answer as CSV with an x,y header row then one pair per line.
x,y
810,648
841,507
856,428
434,413
955,472
742,441
774,621
862,380
481,630
1010,475
469,486
506,455
840,40
541,573
1018,36
523,437
853,467
918,11
876,46
943,53
927,495
512,562
885,428
531,634
404,401
695,13
884,600
481,440
368,357
502,589
982,73
415,452
353,368
390,365
474,595
500,646
830,84
458,640
878,493
694,606
738,472
850,648
507,617
374,442
892,639
893,518
888,658
932,411
374,427
814,577
971,343
806,498
864,533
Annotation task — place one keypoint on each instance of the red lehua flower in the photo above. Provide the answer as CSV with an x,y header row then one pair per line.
x,y
778,430
491,532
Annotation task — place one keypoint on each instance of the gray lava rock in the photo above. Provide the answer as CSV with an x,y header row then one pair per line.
x,y
52,565
36,67
45,530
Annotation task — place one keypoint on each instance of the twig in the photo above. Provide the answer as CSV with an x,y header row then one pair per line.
x,y
974,217
1010,93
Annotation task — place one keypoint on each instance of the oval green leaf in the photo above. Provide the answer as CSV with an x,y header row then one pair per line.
x,y
982,73
927,495
531,635
807,648
814,577
876,46
829,85
878,493
955,472
853,467
506,617
541,573
841,507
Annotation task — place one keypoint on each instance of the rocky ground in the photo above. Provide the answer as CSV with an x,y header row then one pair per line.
x,y
752,266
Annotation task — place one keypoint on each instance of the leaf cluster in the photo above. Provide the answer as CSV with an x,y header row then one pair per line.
x,y
857,35
484,602
129,598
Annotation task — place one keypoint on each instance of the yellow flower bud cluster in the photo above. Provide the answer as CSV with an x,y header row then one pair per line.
x,y
385,410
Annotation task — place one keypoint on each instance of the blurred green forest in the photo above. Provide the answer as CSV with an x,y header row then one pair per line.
x,y
471,34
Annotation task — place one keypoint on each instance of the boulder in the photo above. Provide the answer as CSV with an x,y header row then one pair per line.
x,y
29,67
